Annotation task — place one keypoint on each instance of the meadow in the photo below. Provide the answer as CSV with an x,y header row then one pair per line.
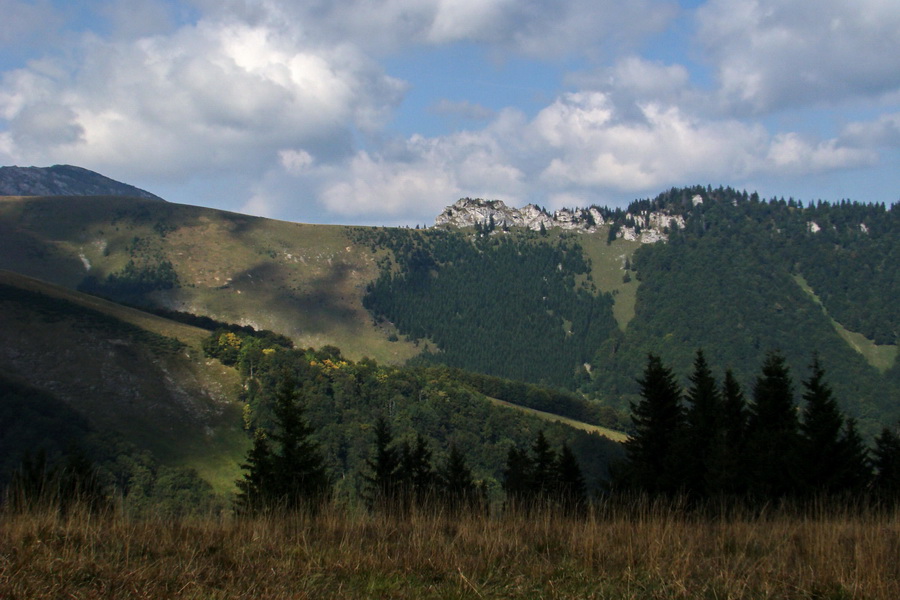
x,y
648,550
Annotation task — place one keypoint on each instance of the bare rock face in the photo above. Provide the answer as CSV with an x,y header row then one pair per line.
x,y
64,180
469,212
645,227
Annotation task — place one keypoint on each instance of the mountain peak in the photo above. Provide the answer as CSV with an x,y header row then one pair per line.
x,y
64,180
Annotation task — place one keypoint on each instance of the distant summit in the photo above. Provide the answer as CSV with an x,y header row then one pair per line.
x,y
64,180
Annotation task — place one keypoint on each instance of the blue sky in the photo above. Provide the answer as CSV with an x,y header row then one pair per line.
x,y
382,112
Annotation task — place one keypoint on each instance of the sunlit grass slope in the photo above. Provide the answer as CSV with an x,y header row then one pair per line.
x,y
305,281
882,357
608,272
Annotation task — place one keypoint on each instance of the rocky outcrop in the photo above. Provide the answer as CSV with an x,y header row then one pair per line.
x,y
469,212
646,227
64,180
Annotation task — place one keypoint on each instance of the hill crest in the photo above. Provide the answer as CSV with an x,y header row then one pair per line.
x,y
64,180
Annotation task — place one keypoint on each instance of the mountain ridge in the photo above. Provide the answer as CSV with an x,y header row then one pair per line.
x,y
725,279
64,180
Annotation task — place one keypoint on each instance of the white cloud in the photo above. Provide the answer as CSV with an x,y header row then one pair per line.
x,y
295,161
211,96
25,22
538,28
598,148
582,148
413,180
636,78
283,106
882,132
789,153
778,53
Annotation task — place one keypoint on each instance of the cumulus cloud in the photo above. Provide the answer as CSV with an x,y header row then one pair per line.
x,y
790,153
24,22
770,54
597,148
580,148
412,180
636,79
539,28
284,108
295,161
209,96
882,132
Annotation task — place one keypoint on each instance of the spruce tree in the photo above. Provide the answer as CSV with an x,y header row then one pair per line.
x,y
298,470
458,490
517,478
658,419
773,436
543,467
703,427
384,478
727,476
886,460
822,452
855,470
256,490
415,473
571,490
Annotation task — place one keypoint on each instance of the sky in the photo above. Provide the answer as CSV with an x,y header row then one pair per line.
x,y
382,112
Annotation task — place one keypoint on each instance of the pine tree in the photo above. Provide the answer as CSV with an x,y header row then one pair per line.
x,y
517,478
543,467
298,470
415,473
773,436
822,452
458,490
703,427
384,466
727,473
658,420
292,477
256,491
855,471
886,460
571,490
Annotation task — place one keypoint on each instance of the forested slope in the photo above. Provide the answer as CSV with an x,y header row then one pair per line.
x,y
743,277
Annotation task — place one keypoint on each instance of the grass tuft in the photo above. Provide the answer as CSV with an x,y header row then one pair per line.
x,y
652,551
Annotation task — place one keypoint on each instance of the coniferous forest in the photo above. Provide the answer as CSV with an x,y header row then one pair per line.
x,y
744,276
751,412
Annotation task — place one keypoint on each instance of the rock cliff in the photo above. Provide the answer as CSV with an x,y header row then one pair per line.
x,y
646,227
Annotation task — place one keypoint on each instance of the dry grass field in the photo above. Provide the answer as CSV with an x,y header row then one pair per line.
x,y
649,552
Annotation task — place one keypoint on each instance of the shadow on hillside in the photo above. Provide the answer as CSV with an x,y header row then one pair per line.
x,y
318,303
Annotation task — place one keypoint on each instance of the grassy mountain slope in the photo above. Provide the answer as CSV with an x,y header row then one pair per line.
x,y
726,283
75,364
559,308
147,382
305,281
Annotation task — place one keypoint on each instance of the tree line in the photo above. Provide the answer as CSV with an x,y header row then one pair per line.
x,y
709,441
705,442
285,470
